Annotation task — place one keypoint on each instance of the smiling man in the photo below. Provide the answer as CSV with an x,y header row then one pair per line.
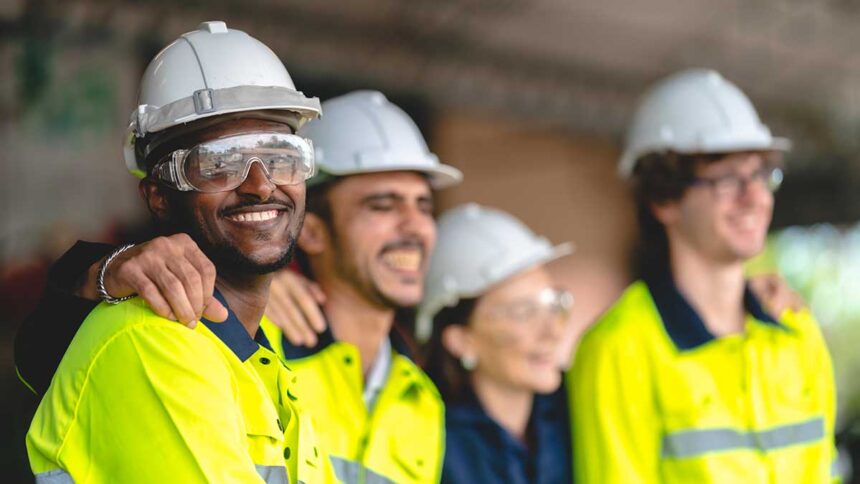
x,y
686,378
367,239
138,398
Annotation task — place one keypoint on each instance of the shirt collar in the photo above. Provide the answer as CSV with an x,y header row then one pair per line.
x,y
398,341
233,333
377,375
683,324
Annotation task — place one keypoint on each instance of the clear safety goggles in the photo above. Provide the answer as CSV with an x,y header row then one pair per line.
x,y
550,304
223,164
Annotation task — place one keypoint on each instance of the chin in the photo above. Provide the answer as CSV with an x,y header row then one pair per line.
x,y
547,384
403,295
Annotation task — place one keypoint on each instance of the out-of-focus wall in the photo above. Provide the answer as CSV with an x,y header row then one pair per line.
x,y
564,187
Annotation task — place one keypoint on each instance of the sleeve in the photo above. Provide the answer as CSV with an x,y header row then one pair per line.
x,y
615,431
160,405
45,334
823,376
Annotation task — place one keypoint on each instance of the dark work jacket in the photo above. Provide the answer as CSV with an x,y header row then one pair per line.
x,y
479,450
45,334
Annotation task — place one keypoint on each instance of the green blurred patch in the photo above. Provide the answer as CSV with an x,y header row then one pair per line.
x,y
822,263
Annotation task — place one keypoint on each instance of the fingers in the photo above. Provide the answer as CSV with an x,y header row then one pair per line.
x,y
309,301
215,311
316,291
285,313
171,274
775,294
176,293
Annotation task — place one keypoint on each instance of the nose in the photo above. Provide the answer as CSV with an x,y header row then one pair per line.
x,y
415,221
754,189
257,184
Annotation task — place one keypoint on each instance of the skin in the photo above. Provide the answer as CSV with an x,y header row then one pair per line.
x,y
378,219
515,359
710,237
295,301
244,252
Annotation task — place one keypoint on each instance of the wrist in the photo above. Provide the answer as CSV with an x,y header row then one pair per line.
x,y
101,290
85,286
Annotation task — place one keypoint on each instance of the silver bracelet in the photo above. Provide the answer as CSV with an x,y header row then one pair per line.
x,y
100,279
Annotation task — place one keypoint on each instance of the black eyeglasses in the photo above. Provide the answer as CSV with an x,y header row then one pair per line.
x,y
731,186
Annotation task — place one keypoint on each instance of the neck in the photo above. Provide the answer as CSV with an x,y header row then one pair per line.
x,y
715,289
247,296
355,320
509,407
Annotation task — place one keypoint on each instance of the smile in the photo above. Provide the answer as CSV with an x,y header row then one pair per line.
x,y
251,217
406,260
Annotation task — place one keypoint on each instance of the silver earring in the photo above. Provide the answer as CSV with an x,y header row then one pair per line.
x,y
469,362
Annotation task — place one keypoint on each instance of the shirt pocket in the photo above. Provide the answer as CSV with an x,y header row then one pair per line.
x,y
414,458
692,394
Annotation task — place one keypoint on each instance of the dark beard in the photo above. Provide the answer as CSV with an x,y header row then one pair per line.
x,y
225,256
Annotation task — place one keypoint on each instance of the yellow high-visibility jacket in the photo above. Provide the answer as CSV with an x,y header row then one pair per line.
x,y
141,399
401,439
657,398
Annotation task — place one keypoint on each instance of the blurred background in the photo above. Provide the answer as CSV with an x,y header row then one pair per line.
x,y
529,98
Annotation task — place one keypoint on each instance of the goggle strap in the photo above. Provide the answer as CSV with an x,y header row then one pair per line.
x,y
170,171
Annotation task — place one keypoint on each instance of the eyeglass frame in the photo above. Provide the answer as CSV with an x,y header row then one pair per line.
x,y
559,299
770,176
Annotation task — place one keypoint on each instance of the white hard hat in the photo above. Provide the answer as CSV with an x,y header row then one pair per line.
x,y
210,72
363,132
478,247
695,111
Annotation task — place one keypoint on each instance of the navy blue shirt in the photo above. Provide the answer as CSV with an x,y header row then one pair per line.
x,y
479,450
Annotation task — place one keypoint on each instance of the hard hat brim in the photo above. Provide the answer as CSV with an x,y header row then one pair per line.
x,y
628,160
440,176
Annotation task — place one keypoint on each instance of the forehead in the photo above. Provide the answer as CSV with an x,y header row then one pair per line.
x,y
405,184
742,161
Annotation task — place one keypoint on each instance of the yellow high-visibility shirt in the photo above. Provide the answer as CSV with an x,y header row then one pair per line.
x,y
400,439
657,398
141,399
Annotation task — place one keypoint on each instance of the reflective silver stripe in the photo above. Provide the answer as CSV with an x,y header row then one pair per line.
x,y
56,476
349,472
835,469
374,478
270,474
273,474
346,471
689,443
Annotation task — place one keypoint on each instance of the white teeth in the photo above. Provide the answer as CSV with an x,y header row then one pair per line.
x,y
254,216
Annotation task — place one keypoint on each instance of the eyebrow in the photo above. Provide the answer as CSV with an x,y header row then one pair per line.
x,y
393,196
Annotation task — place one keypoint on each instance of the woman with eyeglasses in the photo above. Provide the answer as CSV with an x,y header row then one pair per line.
x,y
497,325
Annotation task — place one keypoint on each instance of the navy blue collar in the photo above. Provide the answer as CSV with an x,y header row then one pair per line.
x,y
233,333
398,342
683,324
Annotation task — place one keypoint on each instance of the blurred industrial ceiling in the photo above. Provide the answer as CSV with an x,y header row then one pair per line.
x,y
573,64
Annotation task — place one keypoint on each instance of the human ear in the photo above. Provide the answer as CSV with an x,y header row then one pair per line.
x,y
314,237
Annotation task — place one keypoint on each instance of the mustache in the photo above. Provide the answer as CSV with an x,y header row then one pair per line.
x,y
271,203
411,243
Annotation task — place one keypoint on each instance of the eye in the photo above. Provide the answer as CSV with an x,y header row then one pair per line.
x,y
426,206
381,206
